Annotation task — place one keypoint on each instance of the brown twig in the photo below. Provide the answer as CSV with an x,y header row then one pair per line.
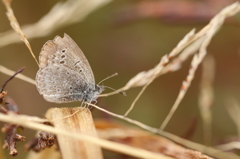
x,y
19,76
17,72
3,93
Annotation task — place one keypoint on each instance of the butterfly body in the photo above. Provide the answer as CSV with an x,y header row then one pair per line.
x,y
65,74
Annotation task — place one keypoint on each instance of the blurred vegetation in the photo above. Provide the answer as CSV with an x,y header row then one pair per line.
x,y
128,48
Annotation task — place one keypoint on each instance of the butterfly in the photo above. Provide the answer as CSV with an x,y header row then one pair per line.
x,y
65,74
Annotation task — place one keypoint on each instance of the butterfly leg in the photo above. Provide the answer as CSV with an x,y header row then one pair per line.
x,y
82,104
88,105
94,102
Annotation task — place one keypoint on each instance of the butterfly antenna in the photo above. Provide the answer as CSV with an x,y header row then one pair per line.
x,y
123,93
115,74
17,72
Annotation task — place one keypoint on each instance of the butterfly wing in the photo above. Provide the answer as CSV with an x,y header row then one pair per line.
x,y
78,61
64,74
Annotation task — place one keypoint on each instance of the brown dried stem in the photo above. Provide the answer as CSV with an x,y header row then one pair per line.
x,y
23,120
19,76
19,119
9,79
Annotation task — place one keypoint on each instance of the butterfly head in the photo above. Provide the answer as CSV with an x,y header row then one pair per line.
x,y
92,94
99,89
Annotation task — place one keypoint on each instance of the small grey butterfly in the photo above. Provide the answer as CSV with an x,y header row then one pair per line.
x,y
64,73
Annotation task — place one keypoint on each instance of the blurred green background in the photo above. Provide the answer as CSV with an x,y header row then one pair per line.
x,y
128,48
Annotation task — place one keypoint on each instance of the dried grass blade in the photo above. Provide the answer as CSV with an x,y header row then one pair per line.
x,y
209,31
16,27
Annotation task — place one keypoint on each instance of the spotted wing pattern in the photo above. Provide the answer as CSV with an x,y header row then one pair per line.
x,y
65,74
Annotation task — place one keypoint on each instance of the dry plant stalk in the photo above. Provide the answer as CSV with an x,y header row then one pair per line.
x,y
206,97
201,148
229,146
20,76
136,152
63,13
142,78
82,123
11,77
138,138
211,28
200,40
16,27
128,150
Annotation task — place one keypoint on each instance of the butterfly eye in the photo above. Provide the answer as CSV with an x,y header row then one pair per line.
x,y
80,70
62,62
63,56
63,50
